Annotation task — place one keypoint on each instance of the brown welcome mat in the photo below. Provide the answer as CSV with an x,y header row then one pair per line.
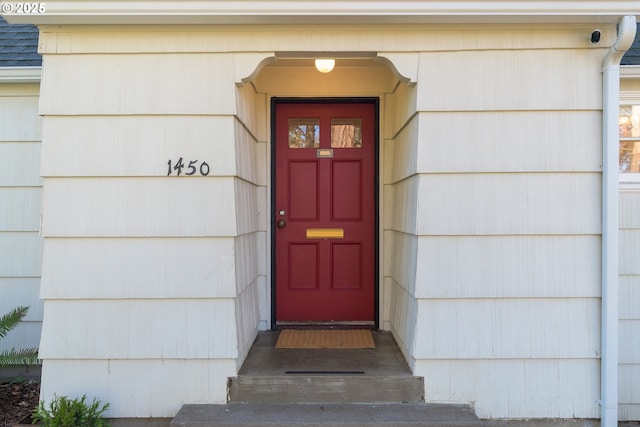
x,y
307,338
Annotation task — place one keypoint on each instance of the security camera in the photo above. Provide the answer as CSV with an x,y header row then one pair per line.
x,y
595,36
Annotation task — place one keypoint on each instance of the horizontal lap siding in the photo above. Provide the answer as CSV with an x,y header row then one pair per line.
x,y
182,84
20,207
364,38
141,265
530,388
139,207
508,223
133,268
520,80
399,210
508,328
95,146
510,141
139,329
507,203
536,266
251,217
140,388
629,371
23,168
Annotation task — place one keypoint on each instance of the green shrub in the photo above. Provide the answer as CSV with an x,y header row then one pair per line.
x,y
65,412
28,356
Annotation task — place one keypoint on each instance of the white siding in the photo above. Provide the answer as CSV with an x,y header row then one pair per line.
x,y
139,329
251,218
136,145
507,328
510,141
140,388
629,371
522,80
138,84
21,255
492,155
490,204
20,206
312,38
496,193
132,268
146,271
508,266
399,216
516,388
22,164
152,207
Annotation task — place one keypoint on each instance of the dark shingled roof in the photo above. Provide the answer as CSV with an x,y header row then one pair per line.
x,y
632,57
18,45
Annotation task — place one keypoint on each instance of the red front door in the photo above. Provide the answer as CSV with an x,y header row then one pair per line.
x,y
325,211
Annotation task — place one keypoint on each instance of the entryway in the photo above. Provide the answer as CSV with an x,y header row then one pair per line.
x,y
271,375
325,210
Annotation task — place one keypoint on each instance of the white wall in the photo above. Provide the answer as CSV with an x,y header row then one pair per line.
x,y
252,218
490,207
20,202
144,273
496,189
629,370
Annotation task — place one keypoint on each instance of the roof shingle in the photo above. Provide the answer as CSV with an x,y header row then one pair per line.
x,y
632,57
19,45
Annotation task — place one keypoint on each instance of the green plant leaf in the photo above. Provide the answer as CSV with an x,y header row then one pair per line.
x,y
26,356
11,320
65,412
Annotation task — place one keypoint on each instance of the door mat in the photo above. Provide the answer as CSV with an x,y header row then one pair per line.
x,y
314,339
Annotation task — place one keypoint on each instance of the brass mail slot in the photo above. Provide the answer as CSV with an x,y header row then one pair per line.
x,y
324,153
325,233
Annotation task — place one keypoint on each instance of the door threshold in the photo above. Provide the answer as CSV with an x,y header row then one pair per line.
x,y
291,324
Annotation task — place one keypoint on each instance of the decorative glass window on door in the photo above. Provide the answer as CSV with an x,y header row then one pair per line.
x,y
304,133
629,127
346,133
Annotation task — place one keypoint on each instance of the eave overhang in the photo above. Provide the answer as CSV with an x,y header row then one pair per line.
x,y
630,71
321,12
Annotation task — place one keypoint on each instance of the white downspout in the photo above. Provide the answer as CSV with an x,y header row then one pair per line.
x,y
610,112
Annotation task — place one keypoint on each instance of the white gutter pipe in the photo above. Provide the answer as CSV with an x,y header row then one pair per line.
x,y
610,112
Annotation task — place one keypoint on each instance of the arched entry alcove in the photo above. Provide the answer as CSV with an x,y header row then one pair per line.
x,y
388,77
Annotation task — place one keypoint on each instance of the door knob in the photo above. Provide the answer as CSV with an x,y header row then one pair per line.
x,y
282,223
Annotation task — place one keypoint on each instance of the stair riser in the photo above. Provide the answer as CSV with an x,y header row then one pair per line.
x,y
326,389
326,415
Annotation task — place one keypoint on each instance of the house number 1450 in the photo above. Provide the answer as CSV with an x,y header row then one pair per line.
x,y
189,169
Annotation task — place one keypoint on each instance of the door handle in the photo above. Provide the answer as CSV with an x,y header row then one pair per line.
x,y
282,223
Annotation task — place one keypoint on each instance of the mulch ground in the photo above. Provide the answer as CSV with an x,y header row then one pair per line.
x,y
17,400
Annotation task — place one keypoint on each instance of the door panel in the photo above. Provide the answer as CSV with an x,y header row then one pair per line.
x,y
325,211
303,190
346,190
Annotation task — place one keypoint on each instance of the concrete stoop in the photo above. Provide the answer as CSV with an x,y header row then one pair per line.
x,y
326,415
326,389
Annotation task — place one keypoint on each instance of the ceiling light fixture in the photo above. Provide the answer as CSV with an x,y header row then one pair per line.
x,y
325,65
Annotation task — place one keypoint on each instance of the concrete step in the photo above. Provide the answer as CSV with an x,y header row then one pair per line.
x,y
326,415
326,388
